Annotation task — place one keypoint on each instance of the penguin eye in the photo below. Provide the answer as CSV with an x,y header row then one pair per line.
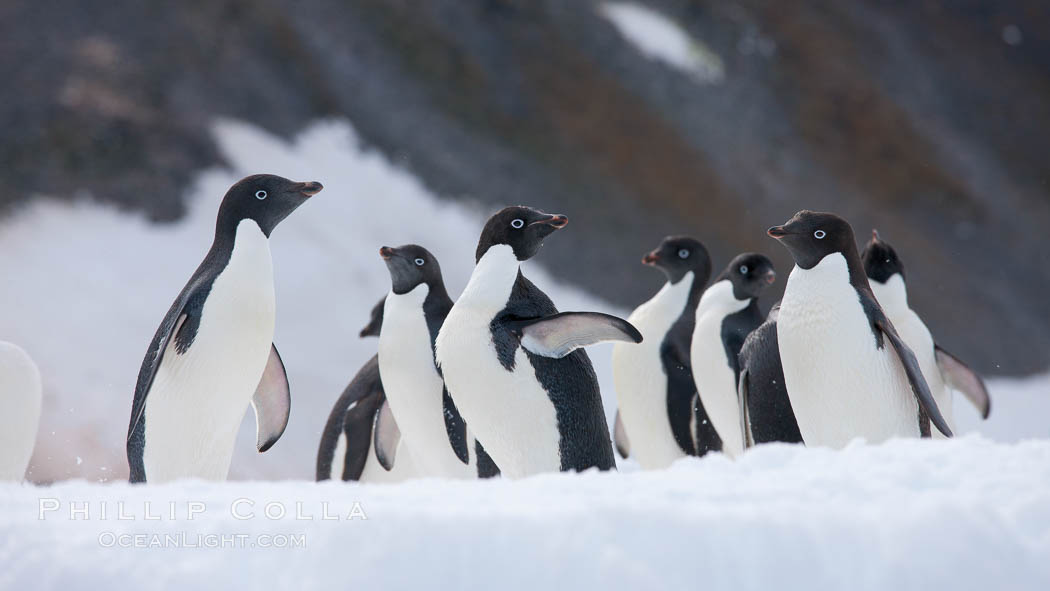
x,y
819,234
260,194
684,253
743,269
419,262
517,224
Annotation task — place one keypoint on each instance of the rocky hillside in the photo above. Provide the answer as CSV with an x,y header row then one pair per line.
x,y
929,120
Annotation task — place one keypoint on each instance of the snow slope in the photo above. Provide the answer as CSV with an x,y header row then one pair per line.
x,y
962,514
93,284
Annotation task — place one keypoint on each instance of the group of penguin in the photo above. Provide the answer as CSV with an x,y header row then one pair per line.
x,y
497,381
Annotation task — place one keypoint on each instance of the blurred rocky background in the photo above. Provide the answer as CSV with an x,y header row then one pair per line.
x,y
929,120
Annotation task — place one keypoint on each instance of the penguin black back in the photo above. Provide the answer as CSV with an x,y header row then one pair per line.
x,y
768,415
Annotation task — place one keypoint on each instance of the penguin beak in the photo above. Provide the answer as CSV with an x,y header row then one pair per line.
x,y
874,235
770,277
387,252
651,259
555,221
309,189
777,232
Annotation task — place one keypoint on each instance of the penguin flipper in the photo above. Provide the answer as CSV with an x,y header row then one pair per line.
x,y
623,445
455,427
271,402
357,426
387,436
964,379
911,368
559,334
745,420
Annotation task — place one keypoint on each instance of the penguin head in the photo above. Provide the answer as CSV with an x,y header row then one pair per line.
x,y
678,255
750,273
880,260
265,198
810,236
375,323
522,228
410,266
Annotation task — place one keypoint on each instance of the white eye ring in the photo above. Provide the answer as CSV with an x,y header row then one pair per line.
x,y
517,224
419,262
819,234
684,253
743,269
260,194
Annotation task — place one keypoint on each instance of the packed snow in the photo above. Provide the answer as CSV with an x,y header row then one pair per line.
x,y
90,283
660,38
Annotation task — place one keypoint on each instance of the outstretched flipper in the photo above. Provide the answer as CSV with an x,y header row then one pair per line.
x,y
918,383
964,379
623,445
271,402
387,436
560,334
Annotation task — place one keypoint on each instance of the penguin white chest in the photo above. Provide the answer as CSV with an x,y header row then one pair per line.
x,y
199,397
714,377
508,411
893,297
20,390
413,387
641,380
841,385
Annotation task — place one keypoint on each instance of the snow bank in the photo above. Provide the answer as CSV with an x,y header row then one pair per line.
x,y
962,514
660,38
92,284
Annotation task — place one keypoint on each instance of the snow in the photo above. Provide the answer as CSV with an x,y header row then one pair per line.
x,y
963,514
659,38
91,284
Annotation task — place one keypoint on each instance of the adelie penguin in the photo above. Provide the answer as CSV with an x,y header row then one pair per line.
x,y
848,372
512,362
213,354
943,371
764,402
348,443
726,314
431,426
654,379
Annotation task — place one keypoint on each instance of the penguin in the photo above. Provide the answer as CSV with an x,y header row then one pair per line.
x,y
942,370
654,381
347,450
765,406
727,313
512,362
20,395
847,370
415,309
213,354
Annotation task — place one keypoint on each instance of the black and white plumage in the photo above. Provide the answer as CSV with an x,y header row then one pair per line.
x,y
433,430
513,365
657,418
213,354
943,371
766,408
848,372
727,313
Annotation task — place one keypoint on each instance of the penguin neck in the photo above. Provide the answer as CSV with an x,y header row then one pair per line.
x,y
891,295
493,279
227,229
719,298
